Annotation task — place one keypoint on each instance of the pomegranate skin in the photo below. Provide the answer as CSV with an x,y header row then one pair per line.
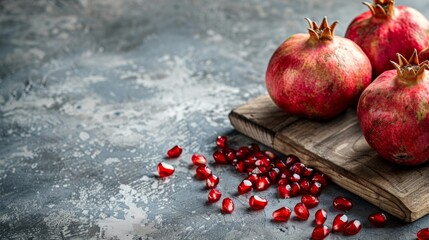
x,y
404,30
424,54
317,78
393,114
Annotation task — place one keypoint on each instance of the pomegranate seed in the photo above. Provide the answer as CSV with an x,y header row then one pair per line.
x,y
423,234
293,177
378,219
219,157
174,152
253,178
257,203
315,189
240,167
255,147
242,152
339,223
244,187
301,211
282,214
263,183
320,232
282,181
260,170
353,227
297,168
281,165
305,185
221,141
273,174
214,195
250,161
321,178
212,181
321,216
165,169
342,203
229,154
310,201
295,189
284,191
262,162
199,160
203,172
227,205
307,172
270,155
291,160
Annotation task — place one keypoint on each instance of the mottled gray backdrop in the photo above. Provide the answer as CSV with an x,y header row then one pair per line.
x,y
94,92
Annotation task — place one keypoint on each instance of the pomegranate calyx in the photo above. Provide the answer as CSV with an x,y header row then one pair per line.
x,y
410,71
381,8
324,32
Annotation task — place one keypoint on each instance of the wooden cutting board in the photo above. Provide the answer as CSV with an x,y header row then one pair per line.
x,y
338,149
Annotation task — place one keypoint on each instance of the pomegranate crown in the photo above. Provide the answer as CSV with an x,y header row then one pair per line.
x,y
381,8
324,32
411,69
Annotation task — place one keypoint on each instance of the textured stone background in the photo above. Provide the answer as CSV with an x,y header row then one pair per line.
x,y
93,93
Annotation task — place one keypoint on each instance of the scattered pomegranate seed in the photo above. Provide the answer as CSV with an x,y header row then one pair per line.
x,y
301,211
253,178
242,152
280,165
227,205
240,167
273,174
165,169
320,232
212,181
219,157
244,187
295,189
270,155
291,160
199,160
282,214
263,183
305,185
310,201
174,152
257,203
307,172
293,177
353,227
321,178
297,168
320,216
284,191
214,195
423,234
221,141
203,172
263,162
340,221
282,181
315,189
229,154
378,219
342,203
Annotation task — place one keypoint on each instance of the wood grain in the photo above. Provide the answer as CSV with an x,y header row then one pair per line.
x,y
338,149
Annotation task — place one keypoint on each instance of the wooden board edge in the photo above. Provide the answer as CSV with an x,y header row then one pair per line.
x,y
243,125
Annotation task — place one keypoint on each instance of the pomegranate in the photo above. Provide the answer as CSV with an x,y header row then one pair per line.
x,y
342,203
227,205
165,169
393,112
320,216
385,30
199,160
301,211
424,54
320,232
317,75
378,219
257,203
282,214
214,195
353,227
174,152
423,234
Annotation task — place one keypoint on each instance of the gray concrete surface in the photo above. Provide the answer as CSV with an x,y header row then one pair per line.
x,y
94,92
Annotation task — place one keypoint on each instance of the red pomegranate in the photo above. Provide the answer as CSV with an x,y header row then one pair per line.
x,y
317,75
385,30
393,112
424,54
